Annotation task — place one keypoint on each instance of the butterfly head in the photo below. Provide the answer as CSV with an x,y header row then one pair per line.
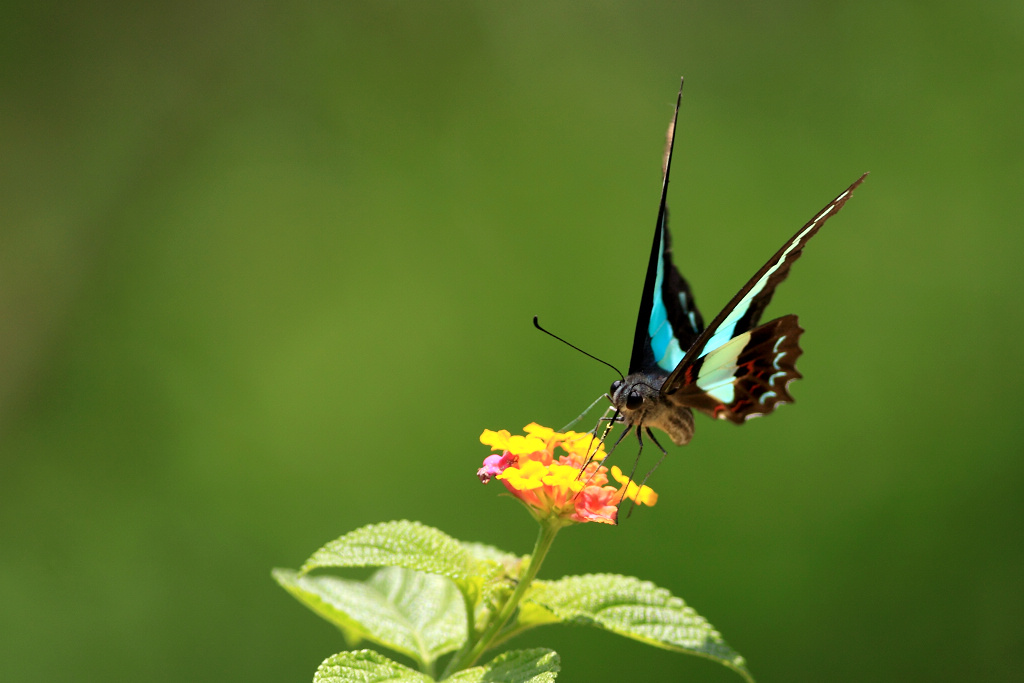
x,y
632,399
637,396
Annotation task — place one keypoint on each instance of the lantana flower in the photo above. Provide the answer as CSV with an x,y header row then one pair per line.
x,y
569,486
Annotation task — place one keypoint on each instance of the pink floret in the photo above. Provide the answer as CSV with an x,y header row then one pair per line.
x,y
495,465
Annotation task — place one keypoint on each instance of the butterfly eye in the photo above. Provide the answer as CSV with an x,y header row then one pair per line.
x,y
615,386
634,400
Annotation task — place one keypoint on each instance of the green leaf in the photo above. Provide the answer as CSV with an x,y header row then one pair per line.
x,y
635,609
420,615
366,666
484,552
404,544
518,666
318,595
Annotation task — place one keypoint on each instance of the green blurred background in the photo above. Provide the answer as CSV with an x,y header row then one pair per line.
x,y
266,272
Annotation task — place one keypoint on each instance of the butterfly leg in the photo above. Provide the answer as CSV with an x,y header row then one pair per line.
x,y
604,435
664,454
584,413
640,439
612,421
616,418
611,450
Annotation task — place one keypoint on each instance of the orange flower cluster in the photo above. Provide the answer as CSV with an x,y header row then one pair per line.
x,y
571,487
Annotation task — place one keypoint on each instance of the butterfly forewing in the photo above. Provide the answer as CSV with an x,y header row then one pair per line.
x,y
668,321
744,311
754,355
674,322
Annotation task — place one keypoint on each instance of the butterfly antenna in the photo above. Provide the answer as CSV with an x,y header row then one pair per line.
x,y
536,323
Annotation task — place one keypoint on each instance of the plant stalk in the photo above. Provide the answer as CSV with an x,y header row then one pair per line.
x,y
466,659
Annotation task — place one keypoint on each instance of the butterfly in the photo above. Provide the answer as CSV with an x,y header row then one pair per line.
x,y
734,368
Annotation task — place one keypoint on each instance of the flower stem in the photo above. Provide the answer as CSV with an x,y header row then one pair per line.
x,y
466,659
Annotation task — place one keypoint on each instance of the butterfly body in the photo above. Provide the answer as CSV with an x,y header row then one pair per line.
x,y
642,391
734,368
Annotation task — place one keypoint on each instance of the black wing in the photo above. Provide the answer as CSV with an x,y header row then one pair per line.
x,y
735,370
668,322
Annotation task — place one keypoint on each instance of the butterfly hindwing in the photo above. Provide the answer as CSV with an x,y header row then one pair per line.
x,y
746,377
